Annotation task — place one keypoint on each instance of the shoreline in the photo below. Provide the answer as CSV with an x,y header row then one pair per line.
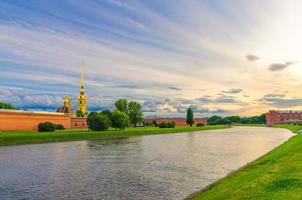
x,y
9,138
199,194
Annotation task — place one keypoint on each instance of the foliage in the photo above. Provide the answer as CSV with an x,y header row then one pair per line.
x,y
190,117
108,113
122,105
6,106
167,124
120,120
216,120
97,121
60,127
80,113
135,113
46,127
199,124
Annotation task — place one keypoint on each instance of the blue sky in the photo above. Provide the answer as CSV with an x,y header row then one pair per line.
x,y
235,57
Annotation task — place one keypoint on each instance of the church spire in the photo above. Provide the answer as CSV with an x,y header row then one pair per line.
x,y
82,100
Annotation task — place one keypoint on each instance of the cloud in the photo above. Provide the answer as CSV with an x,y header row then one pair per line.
x,y
232,91
174,88
279,101
281,66
251,57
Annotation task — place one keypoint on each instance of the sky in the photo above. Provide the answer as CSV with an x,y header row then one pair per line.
x,y
235,57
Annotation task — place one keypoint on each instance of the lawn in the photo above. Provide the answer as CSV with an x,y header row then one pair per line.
x,y
276,175
29,137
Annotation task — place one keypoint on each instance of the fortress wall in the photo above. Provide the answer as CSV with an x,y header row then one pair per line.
x,y
27,120
178,121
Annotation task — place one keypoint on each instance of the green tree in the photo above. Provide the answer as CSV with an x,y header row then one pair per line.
x,y
97,121
108,113
6,106
135,113
190,117
120,120
80,113
122,105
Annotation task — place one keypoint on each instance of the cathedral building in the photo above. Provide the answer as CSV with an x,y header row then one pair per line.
x,y
67,107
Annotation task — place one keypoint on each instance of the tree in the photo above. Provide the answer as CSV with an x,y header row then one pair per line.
x,y
135,113
108,113
122,105
6,106
120,120
190,117
80,113
97,121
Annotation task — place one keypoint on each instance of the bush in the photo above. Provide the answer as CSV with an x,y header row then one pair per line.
x,y
46,127
97,121
199,124
167,124
120,120
60,127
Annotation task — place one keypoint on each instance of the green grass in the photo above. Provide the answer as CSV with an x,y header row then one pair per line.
x,y
276,175
30,137
291,127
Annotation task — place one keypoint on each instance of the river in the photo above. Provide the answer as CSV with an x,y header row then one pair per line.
x,y
170,166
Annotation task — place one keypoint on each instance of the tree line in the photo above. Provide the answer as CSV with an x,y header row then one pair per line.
x,y
6,106
123,115
217,120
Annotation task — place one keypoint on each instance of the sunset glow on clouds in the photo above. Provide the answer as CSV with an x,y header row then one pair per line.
x,y
219,57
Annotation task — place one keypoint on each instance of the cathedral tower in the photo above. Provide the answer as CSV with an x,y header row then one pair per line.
x,y
82,100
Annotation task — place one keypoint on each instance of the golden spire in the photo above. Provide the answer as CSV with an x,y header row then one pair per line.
x,y
82,100
82,75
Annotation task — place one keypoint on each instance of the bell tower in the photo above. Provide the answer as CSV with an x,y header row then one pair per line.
x,y
82,100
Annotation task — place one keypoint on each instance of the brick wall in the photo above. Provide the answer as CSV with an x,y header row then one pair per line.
x,y
78,122
27,120
178,121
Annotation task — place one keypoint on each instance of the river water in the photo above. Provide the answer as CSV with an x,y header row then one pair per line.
x,y
170,166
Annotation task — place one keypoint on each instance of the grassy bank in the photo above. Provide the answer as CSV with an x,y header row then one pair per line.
x,y
30,137
277,175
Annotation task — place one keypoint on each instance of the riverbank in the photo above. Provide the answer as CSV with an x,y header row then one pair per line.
x,y
32,137
276,175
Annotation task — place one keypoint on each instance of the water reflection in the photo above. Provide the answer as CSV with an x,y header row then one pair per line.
x,y
168,166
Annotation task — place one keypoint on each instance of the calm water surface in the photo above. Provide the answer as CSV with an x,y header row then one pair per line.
x,y
155,167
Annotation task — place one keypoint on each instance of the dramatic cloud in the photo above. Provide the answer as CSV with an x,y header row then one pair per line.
x,y
251,57
280,66
166,70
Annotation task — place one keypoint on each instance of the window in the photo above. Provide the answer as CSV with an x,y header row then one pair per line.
x,y
83,124
75,124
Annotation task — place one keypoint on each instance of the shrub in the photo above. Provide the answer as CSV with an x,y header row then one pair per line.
x,y
120,120
200,124
60,127
46,127
167,124
97,121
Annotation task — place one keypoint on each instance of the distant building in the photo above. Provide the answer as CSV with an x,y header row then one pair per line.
x,y
283,117
29,120
178,121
